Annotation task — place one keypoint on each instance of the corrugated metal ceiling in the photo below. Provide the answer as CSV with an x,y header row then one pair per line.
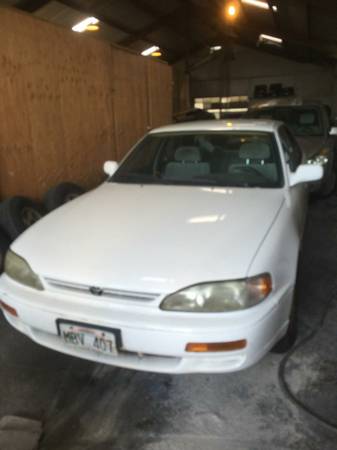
x,y
184,27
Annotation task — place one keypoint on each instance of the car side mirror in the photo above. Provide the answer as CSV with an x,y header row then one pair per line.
x,y
110,167
333,131
306,173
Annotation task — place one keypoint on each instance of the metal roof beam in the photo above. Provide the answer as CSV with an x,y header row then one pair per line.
x,y
161,20
306,51
110,22
91,11
31,5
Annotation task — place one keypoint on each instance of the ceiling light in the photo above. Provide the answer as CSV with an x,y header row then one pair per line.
x,y
84,24
259,4
232,9
216,48
150,50
92,28
156,54
270,39
234,110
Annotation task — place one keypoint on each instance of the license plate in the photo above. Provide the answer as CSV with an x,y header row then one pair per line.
x,y
89,337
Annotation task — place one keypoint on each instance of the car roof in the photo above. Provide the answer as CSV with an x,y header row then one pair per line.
x,y
221,125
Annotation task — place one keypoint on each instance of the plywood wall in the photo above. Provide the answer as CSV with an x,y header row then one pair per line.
x,y
131,99
160,101
68,103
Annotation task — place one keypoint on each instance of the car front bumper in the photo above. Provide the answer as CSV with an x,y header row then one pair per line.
x,y
152,340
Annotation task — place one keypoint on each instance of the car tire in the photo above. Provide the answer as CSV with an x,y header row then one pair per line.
x,y
289,339
329,185
4,245
61,194
19,213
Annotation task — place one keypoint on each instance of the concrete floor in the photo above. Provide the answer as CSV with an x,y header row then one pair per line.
x,y
89,406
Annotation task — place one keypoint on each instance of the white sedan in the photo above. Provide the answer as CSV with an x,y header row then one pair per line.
x,y
184,260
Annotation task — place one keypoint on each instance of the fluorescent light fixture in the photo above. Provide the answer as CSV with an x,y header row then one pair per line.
x,y
216,48
235,110
270,39
256,3
82,26
228,110
150,50
259,4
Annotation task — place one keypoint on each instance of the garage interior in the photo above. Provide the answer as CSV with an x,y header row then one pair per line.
x,y
71,101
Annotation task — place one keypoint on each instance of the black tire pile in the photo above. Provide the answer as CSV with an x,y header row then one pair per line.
x,y
19,213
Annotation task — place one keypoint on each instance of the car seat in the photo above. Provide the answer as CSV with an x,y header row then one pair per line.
x,y
256,155
187,164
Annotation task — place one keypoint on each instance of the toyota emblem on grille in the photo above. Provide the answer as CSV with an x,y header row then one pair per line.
x,y
96,290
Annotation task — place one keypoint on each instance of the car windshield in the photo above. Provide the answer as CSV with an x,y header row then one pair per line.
x,y
235,158
303,121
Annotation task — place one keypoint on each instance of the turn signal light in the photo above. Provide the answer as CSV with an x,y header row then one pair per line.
x,y
216,347
8,309
261,285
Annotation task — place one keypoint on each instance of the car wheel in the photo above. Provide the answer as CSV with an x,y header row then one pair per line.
x,y
329,187
329,184
19,213
60,194
289,339
4,245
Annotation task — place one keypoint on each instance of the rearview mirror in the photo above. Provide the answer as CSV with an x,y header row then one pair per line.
x,y
110,167
306,173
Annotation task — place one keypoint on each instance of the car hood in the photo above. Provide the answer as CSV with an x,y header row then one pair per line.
x,y
151,238
311,145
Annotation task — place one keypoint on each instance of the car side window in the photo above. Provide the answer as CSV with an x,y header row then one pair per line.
x,y
291,148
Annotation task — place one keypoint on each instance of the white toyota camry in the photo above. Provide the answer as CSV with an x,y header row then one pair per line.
x,y
184,260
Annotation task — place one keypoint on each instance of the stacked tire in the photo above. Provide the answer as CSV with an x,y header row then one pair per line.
x,y
61,194
4,245
19,213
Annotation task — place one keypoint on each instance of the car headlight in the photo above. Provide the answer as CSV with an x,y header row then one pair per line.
x,y
19,270
220,296
322,157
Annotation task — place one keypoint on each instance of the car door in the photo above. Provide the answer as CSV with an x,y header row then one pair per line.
x,y
299,193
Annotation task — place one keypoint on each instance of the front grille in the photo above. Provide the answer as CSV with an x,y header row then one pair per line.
x,y
104,292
